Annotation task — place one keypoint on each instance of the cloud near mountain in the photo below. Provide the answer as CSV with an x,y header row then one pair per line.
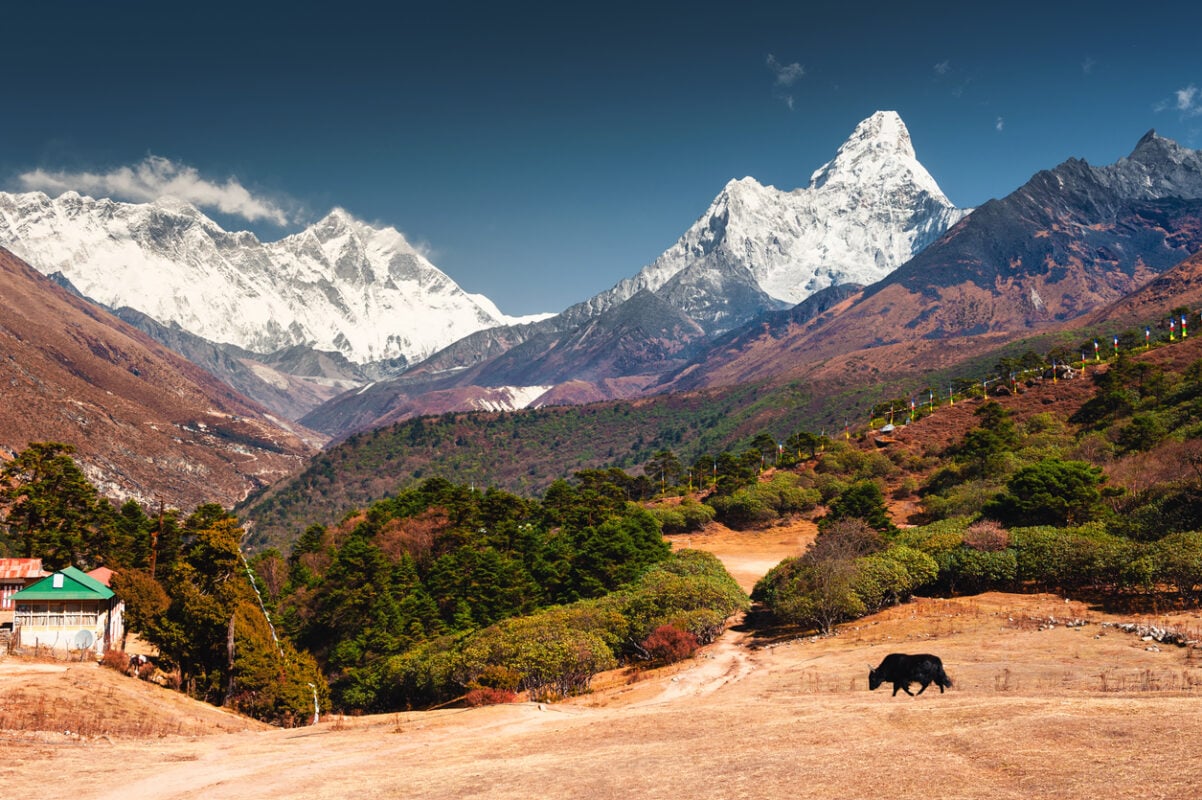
x,y
156,177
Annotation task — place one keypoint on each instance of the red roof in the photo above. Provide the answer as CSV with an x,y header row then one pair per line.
x,y
102,574
19,569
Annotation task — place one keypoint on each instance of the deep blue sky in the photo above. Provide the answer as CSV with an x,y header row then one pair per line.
x,y
543,151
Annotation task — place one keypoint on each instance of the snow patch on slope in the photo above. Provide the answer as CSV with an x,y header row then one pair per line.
x,y
510,398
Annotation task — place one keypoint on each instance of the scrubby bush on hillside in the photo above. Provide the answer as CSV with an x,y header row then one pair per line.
x,y
862,500
486,696
1160,510
692,590
668,644
552,658
1178,559
765,501
852,464
743,509
846,573
987,536
1052,492
958,499
686,517
813,595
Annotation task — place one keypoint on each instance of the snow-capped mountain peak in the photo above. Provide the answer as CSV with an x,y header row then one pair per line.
x,y
879,153
881,137
863,214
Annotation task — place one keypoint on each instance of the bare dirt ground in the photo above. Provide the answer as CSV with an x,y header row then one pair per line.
x,y
1039,709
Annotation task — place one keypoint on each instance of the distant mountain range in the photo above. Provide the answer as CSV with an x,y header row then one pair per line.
x,y
376,307
1070,241
340,285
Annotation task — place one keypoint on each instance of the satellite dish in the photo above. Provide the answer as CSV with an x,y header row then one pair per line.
x,y
84,639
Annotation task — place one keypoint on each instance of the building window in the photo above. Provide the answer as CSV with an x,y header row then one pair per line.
x,y
57,615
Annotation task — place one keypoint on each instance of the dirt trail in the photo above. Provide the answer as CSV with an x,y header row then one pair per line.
x,y
748,555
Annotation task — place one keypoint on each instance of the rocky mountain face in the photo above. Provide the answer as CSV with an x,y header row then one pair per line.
x,y
1152,304
145,422
755,251
340,285
615,354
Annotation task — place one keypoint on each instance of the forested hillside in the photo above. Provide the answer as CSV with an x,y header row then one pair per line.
x,y
522,452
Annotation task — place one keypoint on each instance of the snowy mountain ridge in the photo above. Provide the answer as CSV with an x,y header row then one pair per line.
x,y
339,285
863,214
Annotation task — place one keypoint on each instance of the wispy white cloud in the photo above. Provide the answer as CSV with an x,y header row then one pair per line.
x,y
943,67
786,74
1088,64
155,177
1186,101
1000,125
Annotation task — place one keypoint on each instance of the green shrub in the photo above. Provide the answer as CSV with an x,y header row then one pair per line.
x,y
862,500
879,581
553,659
696,515
921,569
681,585
1069,558
960,500
687,517
975,571
743,509
1178,559
1052,492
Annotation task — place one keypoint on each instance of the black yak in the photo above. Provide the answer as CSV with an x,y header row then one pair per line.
x,y
901,670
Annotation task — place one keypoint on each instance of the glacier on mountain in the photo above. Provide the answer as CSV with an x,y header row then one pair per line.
x,y
339,285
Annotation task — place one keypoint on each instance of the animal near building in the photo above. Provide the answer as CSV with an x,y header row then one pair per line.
x,y
68,611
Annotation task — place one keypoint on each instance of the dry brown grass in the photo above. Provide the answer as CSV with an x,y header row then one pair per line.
x,y
73,702
1039,708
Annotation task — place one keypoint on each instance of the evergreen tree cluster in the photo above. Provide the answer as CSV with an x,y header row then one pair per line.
x,y
441,560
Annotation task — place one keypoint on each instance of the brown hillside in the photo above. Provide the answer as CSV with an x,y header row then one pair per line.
x,y
145,422
1180,286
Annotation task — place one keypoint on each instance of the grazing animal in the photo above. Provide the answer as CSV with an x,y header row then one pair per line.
x,y
901,670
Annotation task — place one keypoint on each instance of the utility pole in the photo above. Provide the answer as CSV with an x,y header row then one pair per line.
x,y
154,539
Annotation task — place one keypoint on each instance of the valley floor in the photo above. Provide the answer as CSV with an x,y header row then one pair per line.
x,y
1039,709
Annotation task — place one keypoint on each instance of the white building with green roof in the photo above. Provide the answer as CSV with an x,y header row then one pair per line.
x,y
68,611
